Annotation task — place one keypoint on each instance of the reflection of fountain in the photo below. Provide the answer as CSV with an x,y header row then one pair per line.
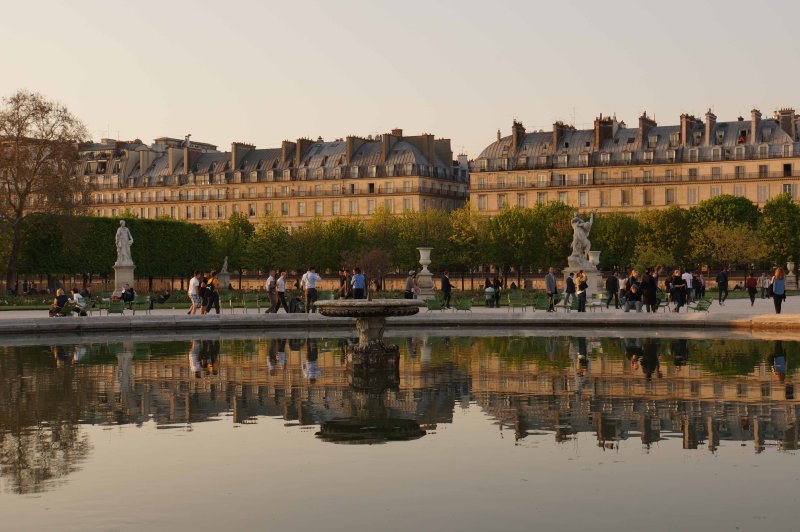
x,y
371,422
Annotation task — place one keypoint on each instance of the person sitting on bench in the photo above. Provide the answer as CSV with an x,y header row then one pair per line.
x,y
60,306
160,299
127,294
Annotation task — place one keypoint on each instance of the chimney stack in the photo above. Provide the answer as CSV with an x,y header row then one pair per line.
x,y
688,122
388,141
238,151
711,123
755,119
173,155
302,147
603,131
351,147
397,132
787,123
517,136
286,152
645,125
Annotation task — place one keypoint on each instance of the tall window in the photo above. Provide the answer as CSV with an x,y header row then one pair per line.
x,y
738,190
408,207
583,198
647,197
763,193
353,206
691,195
625,197
763,170
669,196
583,179
335,208
714,192
502,201
482,202
541,198
521,200
370,206
284,208
317,208
562,197
739,170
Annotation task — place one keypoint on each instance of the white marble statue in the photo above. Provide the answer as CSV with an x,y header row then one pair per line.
x,y
580,241
124,241
224,268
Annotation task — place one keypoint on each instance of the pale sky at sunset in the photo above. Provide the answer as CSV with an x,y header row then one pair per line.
x,y
265,71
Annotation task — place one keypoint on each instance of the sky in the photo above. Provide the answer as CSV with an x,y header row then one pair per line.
x,y
262,71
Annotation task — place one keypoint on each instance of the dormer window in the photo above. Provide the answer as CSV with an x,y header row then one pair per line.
x,y
766,135
626,157
763,150
287,174
739,153
354,171
583,159
652,141
563,160
541,160
648,156
605,158
671,155
742,138
389,169
716,154
720,137
697,136
674,139
694,153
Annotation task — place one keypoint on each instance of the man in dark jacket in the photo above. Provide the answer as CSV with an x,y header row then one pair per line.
x,y
569,290
722,285
612,288
446,289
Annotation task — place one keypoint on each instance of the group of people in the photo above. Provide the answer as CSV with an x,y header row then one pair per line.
x,y
64,305
203,292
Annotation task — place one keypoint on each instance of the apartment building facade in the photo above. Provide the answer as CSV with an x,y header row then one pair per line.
x,y
616,168
299,180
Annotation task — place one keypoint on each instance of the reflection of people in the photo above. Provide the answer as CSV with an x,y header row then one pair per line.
x,y
194,358
650,362
124,241
60,355
778,361
680,352
310,370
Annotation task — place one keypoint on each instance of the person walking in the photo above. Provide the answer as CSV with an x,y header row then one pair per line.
x,y
272,292
612,289
763,283
309,285
551,287
359,284
569,290
212,293
778,284
678,290
722,285
688,279
280,287
580,281
752,287
498,286
447,289
194,293
649,290
409,291
701,286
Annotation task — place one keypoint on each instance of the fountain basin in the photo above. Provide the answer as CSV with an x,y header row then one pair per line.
x,y
363,308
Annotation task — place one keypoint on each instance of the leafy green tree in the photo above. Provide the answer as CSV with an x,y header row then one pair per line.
x,y
424,228
230,239
721,244
664,233
614,235
341,235
780,229
468,234
270,247
725,209
554,220
382,230
306,248
514,238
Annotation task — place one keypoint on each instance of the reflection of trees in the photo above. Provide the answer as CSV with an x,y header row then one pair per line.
x,y
40,409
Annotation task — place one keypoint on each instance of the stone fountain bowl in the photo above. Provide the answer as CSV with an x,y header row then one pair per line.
x,y
363,308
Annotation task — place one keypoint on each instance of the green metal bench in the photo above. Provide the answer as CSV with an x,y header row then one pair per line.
x,y
703,305
516,299
462,304
115,307
434,304
140,303
251,301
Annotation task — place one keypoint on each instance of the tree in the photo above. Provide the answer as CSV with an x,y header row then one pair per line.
x,y
306,245
614,235
663,233
780,229
423,228
340,235
722,244
557,233
514,238
725,209
39,142
230,239
467,237
269,246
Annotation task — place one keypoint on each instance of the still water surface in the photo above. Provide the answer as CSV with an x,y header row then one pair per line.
x,y
471,433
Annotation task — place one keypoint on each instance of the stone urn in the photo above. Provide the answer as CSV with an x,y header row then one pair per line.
x,y
425,277
594,258
791,276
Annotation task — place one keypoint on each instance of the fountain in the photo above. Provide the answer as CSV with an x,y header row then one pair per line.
x,y
371,351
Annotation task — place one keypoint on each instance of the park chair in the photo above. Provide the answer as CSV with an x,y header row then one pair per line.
x,y
226,298
516,299
140,303
664,301
115,306
94,305
702,305
573,305
252,300
462,304
434,304
597,301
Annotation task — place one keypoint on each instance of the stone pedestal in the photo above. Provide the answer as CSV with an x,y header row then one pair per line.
x,y
425,277
593,278
791,277
123,273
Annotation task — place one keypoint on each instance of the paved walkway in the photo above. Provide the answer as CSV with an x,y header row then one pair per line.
x,y
735,314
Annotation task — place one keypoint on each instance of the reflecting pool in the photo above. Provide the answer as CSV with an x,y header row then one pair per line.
x,y
515,432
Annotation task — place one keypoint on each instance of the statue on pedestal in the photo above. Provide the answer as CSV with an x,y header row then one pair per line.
x,y
580,242
124,241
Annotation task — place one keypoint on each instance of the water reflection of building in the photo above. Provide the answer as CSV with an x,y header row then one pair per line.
x,y
523,390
